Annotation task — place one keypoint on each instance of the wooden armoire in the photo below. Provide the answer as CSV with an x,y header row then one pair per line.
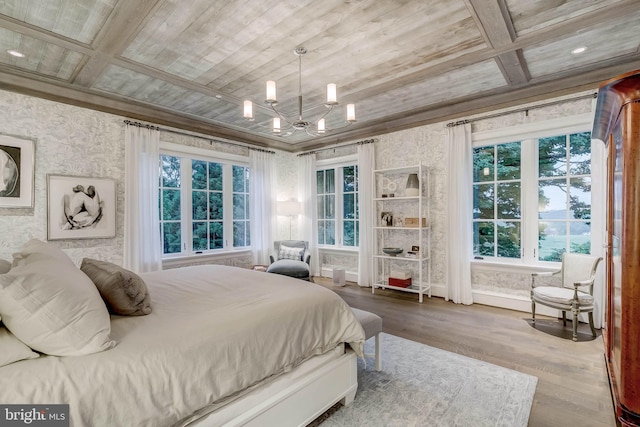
x,y
617,123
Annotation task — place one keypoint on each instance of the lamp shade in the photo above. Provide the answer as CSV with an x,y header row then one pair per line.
x,y
289,208
332,94
248,110
351,112
271,91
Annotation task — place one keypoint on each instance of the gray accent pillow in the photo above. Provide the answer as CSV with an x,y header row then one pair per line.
x,y
124,292
5,266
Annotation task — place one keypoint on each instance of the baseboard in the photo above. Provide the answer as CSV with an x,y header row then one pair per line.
x,y
513,302
493,299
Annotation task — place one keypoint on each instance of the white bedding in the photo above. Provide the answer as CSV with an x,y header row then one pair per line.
x,y
213,331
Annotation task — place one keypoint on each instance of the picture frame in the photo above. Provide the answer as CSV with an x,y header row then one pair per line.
x,y
17,172
80,207
386,219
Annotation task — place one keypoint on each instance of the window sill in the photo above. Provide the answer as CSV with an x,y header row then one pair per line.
x,y
339,251
505,267
200,258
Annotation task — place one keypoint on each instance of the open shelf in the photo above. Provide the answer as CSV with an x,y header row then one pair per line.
x,y
387,181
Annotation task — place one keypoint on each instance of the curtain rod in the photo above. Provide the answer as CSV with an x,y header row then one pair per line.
x,y
364,141
519,110
211,140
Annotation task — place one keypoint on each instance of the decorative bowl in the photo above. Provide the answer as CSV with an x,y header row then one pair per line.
x,y
392,251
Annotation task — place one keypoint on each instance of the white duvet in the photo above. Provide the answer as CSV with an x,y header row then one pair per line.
x,y
214,331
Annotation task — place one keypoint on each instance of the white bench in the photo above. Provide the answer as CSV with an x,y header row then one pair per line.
x,y
372,325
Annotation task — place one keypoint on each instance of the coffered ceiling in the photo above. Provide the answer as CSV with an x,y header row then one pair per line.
x,y
191,64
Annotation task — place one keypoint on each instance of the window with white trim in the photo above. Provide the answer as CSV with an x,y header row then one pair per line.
x,y
532,198
338,222
204,204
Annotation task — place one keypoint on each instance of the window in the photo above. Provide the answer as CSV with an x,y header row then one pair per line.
x,y
209,212
532,198
338,211
564,187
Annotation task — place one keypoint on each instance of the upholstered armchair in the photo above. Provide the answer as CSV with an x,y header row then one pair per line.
x,y
290,258
575,292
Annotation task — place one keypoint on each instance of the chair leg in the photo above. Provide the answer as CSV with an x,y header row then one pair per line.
x,y
378,353
575,324
533,311
593,329
564,318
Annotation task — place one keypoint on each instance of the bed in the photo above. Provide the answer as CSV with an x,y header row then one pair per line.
x,y
221,346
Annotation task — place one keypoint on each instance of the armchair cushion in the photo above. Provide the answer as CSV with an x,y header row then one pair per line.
x,y
560,296
290,267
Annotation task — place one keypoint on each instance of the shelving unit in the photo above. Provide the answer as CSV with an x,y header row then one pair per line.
x,y
398,234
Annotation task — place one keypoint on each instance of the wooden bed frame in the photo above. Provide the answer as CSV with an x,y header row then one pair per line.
x,y
291,400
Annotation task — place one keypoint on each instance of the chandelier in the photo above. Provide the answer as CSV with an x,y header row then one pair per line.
x,y
315,127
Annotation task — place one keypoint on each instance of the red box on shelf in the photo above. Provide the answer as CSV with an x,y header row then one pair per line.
x,y
400,283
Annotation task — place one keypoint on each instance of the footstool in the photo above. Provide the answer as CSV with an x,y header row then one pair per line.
x,y
372,325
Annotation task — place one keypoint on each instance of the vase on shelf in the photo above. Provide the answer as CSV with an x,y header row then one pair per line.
x,y
413,185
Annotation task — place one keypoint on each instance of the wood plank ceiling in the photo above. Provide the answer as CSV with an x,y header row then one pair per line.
x,y
403,63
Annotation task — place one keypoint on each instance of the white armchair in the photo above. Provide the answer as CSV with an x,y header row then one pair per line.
x,y
575,292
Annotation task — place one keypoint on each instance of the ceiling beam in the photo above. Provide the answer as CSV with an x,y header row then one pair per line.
x,y
30,30
480,103
123,24
560,30
494,22
66,94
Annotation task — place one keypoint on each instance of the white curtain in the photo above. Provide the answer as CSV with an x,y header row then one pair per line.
x,y
460,236
262,183
142,247
598,222
366,162
307,197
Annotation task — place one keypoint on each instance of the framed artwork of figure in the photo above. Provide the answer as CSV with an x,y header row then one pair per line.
x,y
80,207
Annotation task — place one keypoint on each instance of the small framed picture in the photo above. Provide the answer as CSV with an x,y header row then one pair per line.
x,y
415,248
80,207
386,219
17,171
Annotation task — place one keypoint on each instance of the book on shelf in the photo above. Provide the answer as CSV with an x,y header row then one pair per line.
x,y
400,283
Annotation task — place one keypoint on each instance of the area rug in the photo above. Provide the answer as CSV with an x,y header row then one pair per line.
x,y
425,386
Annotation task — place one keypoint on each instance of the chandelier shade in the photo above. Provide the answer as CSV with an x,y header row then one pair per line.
x,y
315,126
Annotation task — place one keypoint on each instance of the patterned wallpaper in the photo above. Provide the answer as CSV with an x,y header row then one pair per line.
x,y
76,141
80,142
68,141
428,144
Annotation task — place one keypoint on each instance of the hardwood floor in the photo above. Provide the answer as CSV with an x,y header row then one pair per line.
x,y
573,388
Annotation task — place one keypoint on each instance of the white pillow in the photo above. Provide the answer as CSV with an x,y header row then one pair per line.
x,y
52,306
12,349
289,252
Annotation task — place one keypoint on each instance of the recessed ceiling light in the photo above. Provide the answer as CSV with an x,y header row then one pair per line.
x,y
218,96
579,50
15,53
